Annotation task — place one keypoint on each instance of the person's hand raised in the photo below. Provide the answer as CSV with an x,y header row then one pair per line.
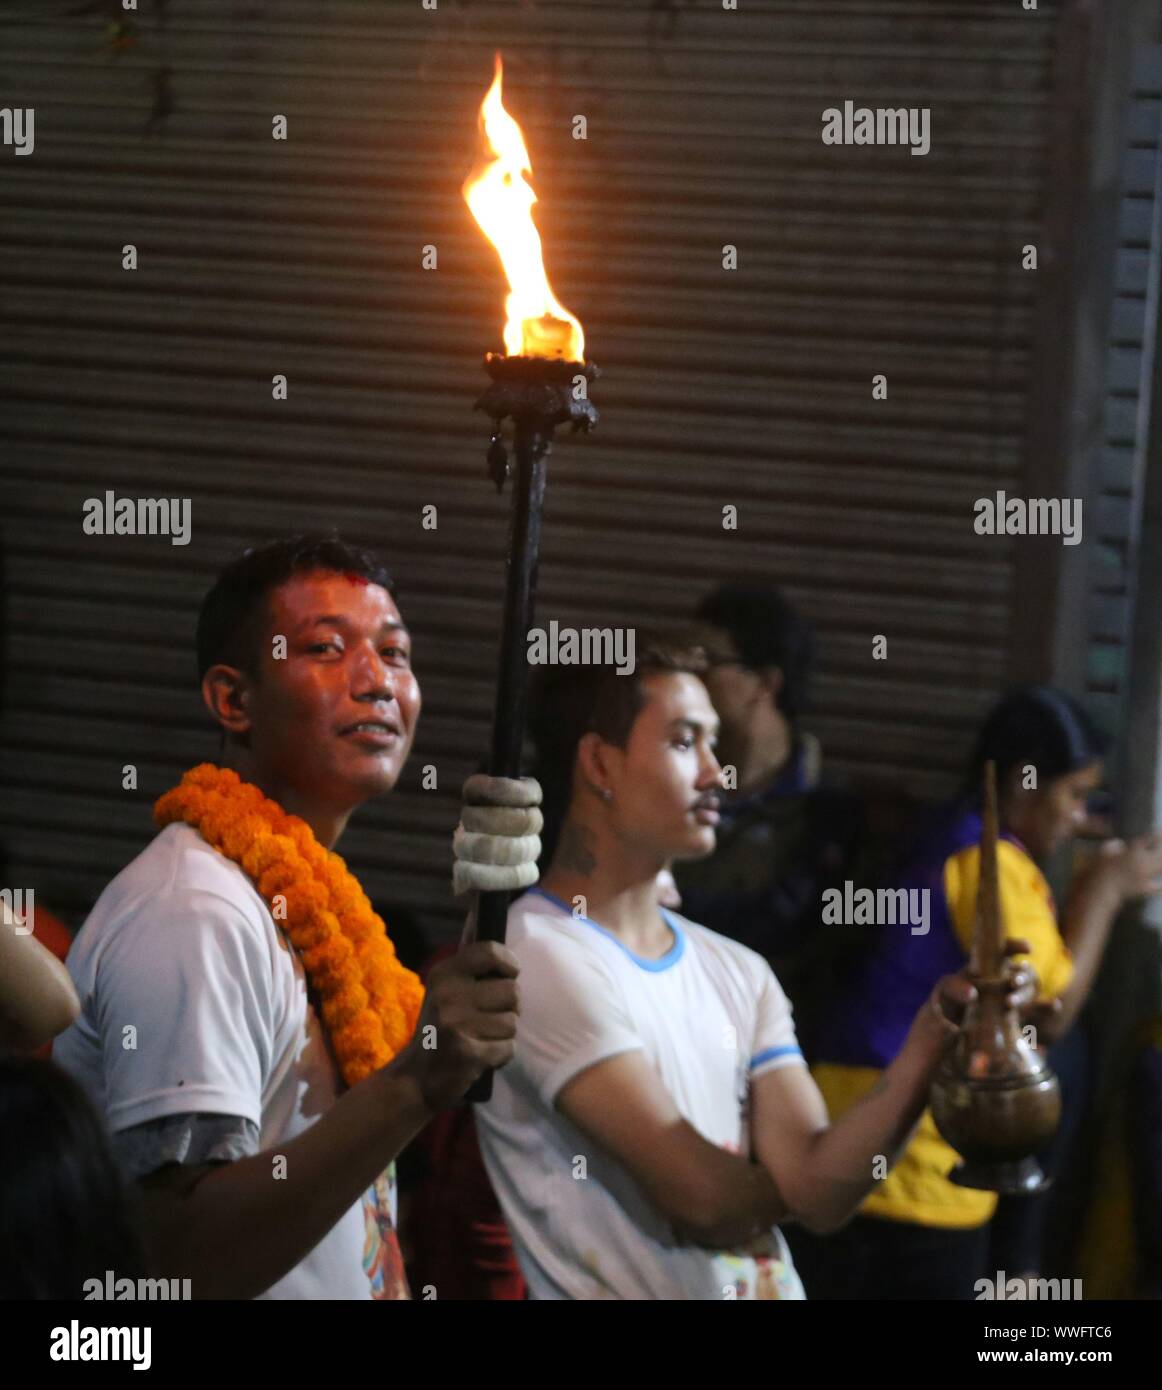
x,y
943,1013
1135,867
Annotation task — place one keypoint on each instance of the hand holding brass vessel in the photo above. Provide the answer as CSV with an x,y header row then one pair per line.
x,y
994,1099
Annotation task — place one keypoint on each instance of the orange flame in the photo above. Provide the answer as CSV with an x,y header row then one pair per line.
x,y
501,199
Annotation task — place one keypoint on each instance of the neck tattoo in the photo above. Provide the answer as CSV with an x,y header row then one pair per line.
x,y
575,849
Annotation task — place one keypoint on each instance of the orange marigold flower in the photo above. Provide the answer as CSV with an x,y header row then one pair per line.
x,y
396,1033
262,854
239,837
208,775
365,1031
360,933
342,1009
363,1035
214,825
377,973
279,878
346,977
327,923
303,935
328,955
311,896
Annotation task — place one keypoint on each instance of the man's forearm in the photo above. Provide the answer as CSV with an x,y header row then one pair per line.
x,y
239,1228
742,1202
37,998
842,1160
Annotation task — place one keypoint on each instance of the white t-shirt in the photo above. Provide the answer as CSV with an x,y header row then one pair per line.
x,y
710,1016
192,1000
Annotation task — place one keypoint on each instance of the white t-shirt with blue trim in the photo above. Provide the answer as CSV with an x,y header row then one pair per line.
x,y
710,1016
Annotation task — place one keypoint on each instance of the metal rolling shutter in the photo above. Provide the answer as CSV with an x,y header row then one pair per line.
x,y
1118,474
750,387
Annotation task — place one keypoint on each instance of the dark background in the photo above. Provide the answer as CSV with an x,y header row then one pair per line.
x,y
750,387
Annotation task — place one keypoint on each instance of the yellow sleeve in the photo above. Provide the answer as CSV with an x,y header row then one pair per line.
x,y
1026,910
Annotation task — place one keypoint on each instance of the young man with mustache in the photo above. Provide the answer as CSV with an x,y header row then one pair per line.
x,y
658,1119
234,976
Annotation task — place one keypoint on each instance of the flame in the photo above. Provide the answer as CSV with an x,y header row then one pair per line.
x,y
501,199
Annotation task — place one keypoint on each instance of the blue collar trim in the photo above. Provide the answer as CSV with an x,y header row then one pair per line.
x,y
672,956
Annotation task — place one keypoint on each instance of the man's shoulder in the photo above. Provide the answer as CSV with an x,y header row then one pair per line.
x,y
176,867
550,943
707,943
178,860
538,924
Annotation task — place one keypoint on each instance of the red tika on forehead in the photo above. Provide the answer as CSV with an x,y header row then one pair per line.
x,y
357,579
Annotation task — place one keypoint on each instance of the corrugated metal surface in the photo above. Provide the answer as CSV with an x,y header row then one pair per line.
x,y
1119,472
750,387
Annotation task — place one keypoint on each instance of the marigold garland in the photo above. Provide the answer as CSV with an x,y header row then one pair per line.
x,y
369,1002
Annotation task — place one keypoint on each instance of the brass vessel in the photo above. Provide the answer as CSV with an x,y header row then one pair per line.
x,y
994,1099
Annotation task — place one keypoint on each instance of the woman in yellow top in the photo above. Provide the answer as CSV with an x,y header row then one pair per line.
x,y
918,1235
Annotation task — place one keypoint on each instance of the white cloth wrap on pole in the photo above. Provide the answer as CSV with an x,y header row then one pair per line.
x,y
502,820
496,844
504,850
491,878
482,790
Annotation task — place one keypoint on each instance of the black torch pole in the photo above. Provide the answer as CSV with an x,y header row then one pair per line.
x,y
531,447
539,394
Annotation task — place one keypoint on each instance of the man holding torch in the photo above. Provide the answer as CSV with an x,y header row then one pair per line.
x,y
257,1050
234,977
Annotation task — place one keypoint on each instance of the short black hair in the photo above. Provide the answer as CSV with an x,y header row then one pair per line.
x,y
765,631
229,617
1038,725
567,702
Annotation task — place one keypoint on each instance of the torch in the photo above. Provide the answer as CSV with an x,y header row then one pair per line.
x,y
994,1100
539,382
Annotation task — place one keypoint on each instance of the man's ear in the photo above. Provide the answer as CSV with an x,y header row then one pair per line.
x,y
226,693
593,762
